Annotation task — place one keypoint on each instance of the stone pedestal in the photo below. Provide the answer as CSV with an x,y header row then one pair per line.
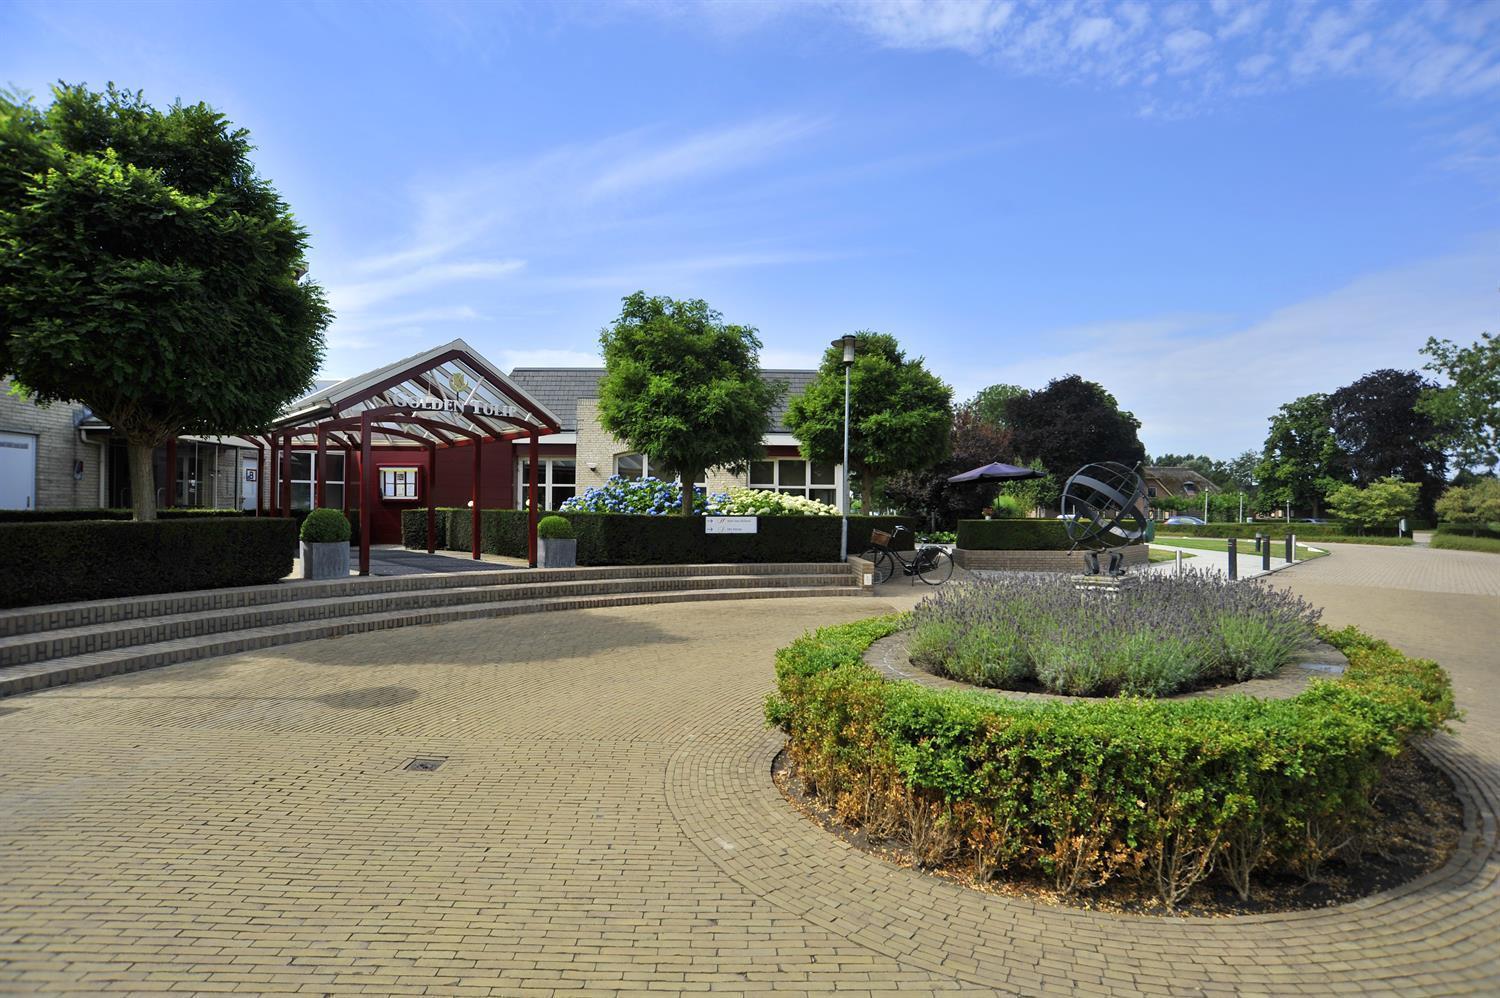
x,y
1104,586
325,561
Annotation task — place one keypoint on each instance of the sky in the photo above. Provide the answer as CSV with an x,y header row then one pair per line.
x,y
1210,208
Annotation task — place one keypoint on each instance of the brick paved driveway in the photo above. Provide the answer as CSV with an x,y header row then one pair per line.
x,y
604,822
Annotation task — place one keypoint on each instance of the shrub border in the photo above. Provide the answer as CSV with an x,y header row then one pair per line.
x,y
1157,791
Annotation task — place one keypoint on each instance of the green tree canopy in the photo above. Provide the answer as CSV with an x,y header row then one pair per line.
x,y
974,441
148,272
1380,504
684,388
989,403
1301,461
1378,426
900,412
1467,411
1071,423
1473,506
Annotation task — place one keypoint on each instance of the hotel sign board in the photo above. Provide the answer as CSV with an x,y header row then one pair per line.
x,y
729,524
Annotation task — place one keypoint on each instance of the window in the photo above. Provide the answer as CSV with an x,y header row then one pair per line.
x,y
398,483
636,467
559,483
304,478
632,466
1151,491
810,479
1189,489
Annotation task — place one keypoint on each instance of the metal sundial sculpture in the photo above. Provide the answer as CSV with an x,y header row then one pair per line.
x,y
1109,503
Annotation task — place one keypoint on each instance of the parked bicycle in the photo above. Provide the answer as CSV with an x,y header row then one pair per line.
x,y
929,562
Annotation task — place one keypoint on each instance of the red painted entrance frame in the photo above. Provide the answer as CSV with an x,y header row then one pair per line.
x,y
331,420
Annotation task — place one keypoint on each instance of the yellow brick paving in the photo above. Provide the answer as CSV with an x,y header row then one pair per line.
x,y
604,824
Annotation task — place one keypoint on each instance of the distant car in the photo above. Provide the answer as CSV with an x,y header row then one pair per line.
x,y
1310,519
1184,521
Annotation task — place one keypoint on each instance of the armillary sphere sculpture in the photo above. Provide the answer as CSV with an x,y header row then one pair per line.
x,y
1108,501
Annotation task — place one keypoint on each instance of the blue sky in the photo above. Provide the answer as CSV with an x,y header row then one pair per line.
x,y
1209,207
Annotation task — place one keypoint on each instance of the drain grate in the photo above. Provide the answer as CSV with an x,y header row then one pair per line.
x,y
424,765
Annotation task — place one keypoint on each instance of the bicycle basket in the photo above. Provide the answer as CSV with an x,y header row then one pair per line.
x,y
880,538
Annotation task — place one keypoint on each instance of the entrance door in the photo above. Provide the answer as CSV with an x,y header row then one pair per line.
x,y
17,471
249,485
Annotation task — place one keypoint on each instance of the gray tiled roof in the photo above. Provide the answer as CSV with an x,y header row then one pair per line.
x,y
560,388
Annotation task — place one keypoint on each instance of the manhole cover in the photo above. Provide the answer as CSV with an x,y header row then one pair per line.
x,y
424,765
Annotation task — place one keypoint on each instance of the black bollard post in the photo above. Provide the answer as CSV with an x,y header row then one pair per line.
x,y
1234,559
1291,547
1258,536
1265,555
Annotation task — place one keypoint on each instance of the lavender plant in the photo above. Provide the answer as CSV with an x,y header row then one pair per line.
x,y
1167,634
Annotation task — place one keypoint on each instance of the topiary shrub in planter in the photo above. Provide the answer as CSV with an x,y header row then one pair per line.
x,y
325,545
557,546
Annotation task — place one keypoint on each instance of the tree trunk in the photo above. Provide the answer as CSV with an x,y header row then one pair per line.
x,y
866,491
142,480
688,478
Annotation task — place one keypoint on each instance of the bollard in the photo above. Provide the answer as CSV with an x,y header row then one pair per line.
x,y
1265,556
1234,559
1258,537
1291,548
1179,562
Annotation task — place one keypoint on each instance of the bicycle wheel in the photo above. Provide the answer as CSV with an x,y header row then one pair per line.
x,y
884,564
934,566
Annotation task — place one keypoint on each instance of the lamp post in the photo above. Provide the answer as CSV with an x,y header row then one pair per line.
x,y
846,342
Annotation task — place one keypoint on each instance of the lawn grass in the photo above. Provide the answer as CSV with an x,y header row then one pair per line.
x,y
1458,542
1159,556
1246,547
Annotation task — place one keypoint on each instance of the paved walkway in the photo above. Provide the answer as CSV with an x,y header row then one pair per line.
x,y
604,822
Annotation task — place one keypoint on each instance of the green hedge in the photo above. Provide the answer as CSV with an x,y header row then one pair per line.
x,y
104,559
1463,542
1163,792
1305,531
1013,535
55,515
618,539
1462,530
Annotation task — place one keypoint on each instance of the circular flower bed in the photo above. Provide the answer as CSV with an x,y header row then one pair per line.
x,y
1158,636
1155,794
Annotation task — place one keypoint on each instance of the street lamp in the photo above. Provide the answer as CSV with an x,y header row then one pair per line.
x,y
846,342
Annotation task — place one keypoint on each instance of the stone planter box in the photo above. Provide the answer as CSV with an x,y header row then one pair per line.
x,y
325,561
557,552
1037,561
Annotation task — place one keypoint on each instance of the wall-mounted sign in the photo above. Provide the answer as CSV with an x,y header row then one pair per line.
x,y
470,406
398,483
249,474
729,524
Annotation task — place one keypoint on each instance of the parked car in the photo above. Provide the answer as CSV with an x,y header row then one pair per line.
x,y
1310,519
1184,521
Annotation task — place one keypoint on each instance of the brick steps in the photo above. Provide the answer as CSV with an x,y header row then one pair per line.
x,y
40,658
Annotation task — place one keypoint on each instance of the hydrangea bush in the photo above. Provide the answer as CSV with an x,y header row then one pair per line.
x,y
639,496
761,502
1166,634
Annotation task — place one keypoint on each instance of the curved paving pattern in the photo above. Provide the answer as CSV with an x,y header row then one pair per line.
x,y
604,823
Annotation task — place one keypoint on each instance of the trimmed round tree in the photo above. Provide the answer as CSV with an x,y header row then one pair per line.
x,y
684,387
148,272
899,412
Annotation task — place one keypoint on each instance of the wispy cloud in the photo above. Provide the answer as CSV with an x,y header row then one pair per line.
x,y
356,298
1208,384
1180,55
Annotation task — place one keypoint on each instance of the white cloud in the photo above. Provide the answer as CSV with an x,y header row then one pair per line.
x,y
1416,50
355,298
1203,384
713,152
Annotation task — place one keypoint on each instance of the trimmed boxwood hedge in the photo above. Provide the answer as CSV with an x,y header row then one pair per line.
x,y
1013,535
618,539
104,559
1304,531
1163,792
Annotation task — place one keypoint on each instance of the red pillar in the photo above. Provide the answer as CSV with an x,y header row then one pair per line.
x,y
273,495
431,498
536,473
351,474
286,475
474,528
171,490
321,474
260,476
366,492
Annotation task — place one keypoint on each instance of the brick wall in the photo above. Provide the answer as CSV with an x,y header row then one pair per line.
x,y
1038,561
600,447
57,447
